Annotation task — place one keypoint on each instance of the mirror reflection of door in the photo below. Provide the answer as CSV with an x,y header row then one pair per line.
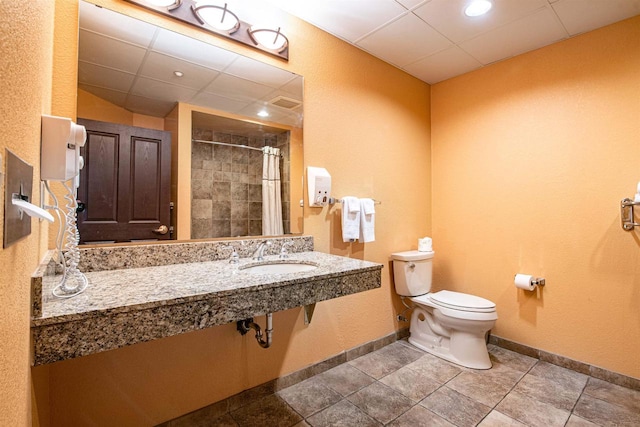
x,y
125,184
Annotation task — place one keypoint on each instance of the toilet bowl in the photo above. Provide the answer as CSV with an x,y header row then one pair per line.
x,y
450,325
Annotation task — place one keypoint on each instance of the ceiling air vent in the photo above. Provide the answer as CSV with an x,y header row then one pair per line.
x,y
284,102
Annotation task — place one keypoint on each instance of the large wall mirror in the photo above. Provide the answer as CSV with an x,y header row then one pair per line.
x,y
231,126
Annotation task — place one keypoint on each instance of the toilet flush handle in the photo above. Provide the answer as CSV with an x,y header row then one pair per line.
x,y
412,265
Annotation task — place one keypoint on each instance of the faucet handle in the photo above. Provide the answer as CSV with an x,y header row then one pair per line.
x,y
234,258
283,250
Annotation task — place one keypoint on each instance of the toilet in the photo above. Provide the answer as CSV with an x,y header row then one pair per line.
x,y
450,325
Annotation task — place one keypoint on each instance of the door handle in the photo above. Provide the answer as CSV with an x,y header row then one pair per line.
x,y
163,229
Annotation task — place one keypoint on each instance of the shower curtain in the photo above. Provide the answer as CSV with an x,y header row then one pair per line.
x,y
271,195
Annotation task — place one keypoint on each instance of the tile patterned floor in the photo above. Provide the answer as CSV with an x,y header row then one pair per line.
x,y
400,385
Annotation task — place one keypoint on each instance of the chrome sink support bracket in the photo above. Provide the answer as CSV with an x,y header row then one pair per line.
x,y
308,312
628,221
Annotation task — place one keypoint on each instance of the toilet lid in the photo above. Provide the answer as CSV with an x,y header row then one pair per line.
x,y
460,301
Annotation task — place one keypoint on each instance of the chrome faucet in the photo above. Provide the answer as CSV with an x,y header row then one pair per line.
x,y
258,255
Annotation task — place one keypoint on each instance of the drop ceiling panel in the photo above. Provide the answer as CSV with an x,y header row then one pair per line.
x,y
531,32
217,102
447,16
579,16
410,4
348,19
192,50
440,66
268,75
96,75
161,91
294,88
162,67
115,25
404,41
117,98
115,54
236,88
150,107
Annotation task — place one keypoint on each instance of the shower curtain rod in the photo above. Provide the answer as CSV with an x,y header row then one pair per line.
x,y
227,144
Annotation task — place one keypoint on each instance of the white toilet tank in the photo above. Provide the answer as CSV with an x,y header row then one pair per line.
x,y
412,272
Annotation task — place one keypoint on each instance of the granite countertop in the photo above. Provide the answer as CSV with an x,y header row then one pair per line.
x,y
116,291
165,290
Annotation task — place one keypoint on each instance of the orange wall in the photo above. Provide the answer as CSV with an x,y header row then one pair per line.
x,y
95,108
531,158
371,131
26,34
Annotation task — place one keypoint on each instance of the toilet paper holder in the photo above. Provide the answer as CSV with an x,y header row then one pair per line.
x,y
537,281
628,222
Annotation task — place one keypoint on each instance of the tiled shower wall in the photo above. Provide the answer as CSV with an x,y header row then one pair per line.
x,y
226,184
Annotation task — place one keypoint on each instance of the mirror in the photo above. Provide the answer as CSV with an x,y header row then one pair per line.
x,y
134,73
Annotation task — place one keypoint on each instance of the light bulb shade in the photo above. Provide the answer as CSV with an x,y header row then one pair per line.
x,y
269,38
217,16
169,4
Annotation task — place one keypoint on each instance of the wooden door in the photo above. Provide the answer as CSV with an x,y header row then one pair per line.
x,y
125,184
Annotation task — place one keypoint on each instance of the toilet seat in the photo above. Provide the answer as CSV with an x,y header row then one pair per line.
x,y
458,301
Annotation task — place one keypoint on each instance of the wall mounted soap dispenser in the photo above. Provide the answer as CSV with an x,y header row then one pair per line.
x,y
318,186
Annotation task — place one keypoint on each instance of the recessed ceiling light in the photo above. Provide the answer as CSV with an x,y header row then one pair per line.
x,y
263,113
178,73
477,8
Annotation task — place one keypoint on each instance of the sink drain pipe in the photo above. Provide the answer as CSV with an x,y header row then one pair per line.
x,y
246,325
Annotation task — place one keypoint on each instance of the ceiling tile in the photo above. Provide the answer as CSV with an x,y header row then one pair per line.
x,y
259,72
161,91
447,16
532,32
579,16
117,98
443,65
116,25
410,4
150,107
236,88
404,41
210,100
294,88
275,114
109,52
192,50
162,67
96,75
347,19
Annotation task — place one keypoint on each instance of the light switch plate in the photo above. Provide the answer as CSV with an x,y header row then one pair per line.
x,y
18,179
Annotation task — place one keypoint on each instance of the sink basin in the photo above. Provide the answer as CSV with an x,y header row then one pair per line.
x,y
279,267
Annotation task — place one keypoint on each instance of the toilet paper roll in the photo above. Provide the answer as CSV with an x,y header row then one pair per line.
x,y
425,244
524,281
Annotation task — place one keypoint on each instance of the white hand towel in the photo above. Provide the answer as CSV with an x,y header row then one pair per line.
x,y
367,220
350,219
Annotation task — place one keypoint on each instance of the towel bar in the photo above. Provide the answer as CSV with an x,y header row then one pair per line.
x,y
334,200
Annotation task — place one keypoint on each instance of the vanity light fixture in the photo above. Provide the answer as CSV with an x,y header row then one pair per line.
x,y
169,4
215,17
269,38
477,8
